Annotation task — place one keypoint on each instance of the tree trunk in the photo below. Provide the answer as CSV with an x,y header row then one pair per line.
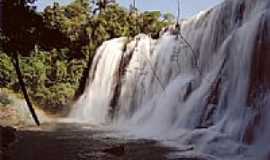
x,y
16,64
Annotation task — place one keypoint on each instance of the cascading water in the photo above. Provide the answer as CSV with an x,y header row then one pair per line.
x,y
214,98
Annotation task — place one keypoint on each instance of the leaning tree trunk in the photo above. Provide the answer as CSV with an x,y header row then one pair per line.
x,y
16,64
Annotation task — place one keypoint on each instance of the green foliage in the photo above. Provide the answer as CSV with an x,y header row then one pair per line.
x,y
51,78
28,30
169,18
7,73
4,100
59,44
24,27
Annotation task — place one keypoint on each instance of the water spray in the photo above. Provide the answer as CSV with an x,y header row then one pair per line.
x,y
178,28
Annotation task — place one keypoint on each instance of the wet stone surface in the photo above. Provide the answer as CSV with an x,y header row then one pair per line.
x,y
73,142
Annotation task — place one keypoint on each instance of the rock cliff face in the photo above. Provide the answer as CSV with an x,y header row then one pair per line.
x,y
209,89
260,73
259,78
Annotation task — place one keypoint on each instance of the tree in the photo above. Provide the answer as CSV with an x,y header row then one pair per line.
x,y
68,37
102,5
20,36
168,18
15,41
71,21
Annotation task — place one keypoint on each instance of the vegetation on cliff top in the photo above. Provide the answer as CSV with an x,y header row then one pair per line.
x,y
56,75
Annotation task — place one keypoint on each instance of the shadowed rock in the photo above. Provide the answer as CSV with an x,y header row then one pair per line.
x,y
7,138
259,77
116,151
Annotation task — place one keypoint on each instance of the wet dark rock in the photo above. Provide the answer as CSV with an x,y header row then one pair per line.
x,y
189,148
212,102
124,62
188,91
240,13
116,151
215,92
7,138
259,77
260,73
195,157
75,142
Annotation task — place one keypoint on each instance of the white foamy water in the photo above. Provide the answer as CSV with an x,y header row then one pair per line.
x,y
162,89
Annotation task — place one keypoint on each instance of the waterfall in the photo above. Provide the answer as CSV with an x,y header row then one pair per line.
x,y
215,98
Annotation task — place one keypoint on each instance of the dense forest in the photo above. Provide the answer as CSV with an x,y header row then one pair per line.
x,y
55,47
